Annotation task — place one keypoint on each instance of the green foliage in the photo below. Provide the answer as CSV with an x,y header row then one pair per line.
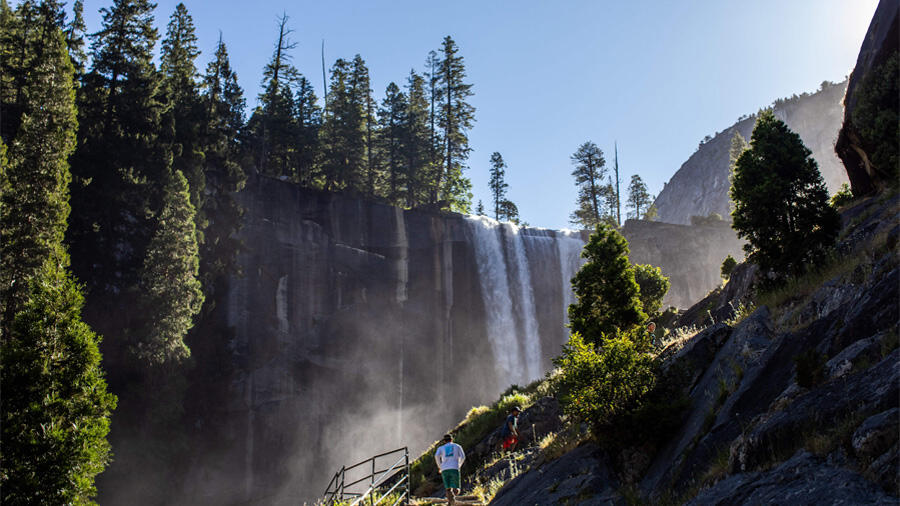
x,y
590,169
497,182
653,287
35,209
599,386
781,203
608,298
55,407
875,118
171,290
842,197
651,213
728,266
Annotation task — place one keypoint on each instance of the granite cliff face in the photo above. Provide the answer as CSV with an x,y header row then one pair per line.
x,y
867,170
701,185
354,318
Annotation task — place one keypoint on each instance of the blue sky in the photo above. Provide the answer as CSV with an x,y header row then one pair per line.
x,y
654,76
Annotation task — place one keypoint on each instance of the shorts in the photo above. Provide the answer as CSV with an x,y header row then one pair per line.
x,y
450,477
510,441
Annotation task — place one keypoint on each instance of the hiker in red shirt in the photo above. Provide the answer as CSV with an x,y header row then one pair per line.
x,y
510,432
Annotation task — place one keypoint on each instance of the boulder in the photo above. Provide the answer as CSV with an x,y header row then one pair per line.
x,y
581,476
804,479
876,434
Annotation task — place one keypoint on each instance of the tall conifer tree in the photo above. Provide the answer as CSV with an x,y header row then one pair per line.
x,y
590,167
497,182
392,121
456,118
308,118
183,117
34,212
416,141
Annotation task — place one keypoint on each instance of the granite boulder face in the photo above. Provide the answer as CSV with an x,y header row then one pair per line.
x,y
700,187
855,150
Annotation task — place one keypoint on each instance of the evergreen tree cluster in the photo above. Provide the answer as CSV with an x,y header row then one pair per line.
x,y
599,201
408,149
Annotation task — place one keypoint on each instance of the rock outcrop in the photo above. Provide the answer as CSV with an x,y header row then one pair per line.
x,y
854,145
700,187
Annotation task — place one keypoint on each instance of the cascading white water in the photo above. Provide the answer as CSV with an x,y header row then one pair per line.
x,y
570,244
501,324
522,289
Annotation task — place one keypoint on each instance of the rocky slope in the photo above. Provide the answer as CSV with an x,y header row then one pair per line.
x,y
701,185
796,401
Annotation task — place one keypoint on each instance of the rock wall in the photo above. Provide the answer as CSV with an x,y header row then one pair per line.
x,y
360,327
853,146
701,185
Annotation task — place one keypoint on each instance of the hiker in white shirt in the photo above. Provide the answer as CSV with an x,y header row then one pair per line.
x,y
449,457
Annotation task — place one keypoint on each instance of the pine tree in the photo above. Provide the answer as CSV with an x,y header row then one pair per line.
x,y
35,208
738,146
224,103
456,117
183,118
617,195
361,98
781,202
608,298
343,132
75,31
171,291
416,141
120,164
638,197
497,183
273,124
391,123
590,168
479,209
308,120
509,212
434,167
55,407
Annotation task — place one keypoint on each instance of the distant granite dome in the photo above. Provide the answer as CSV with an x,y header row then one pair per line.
x,y
700,187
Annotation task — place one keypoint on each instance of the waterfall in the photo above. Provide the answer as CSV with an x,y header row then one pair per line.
x,y
501,325
570,244
506,288
524,294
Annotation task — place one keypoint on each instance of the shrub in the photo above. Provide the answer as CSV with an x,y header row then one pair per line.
x,y
597,386
728,266
653,287
842,197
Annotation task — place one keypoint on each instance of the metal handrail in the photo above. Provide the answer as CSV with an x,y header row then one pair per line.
x,y
337,489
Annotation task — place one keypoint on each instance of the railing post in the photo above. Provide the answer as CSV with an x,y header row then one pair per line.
x,y
372,483
342,482
408,477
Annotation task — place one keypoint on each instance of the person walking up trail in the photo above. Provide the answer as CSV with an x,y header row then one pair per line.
x,y
449,458
509,434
